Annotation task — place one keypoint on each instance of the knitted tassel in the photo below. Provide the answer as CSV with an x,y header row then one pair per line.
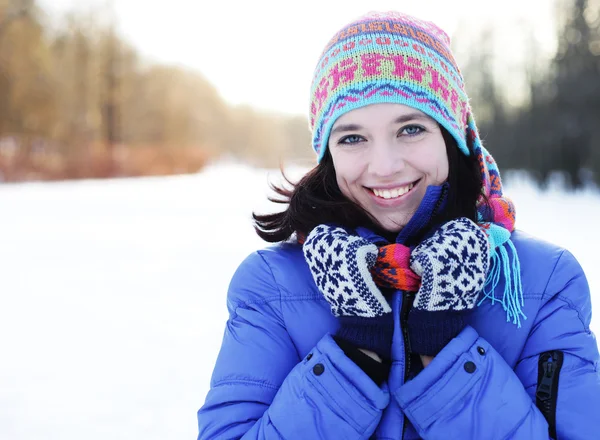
x,y
503,264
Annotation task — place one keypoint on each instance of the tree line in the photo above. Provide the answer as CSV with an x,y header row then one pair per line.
x,y
557,128
79,101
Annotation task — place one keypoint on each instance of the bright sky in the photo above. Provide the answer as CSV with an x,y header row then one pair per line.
x,y
262,52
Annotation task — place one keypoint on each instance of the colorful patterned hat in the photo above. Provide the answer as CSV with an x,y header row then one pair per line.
x,y
389,57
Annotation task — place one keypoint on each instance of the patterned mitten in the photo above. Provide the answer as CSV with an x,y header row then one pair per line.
x,y
340,265
453,266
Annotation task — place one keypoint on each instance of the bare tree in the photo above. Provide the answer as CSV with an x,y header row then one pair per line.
x,y
15,10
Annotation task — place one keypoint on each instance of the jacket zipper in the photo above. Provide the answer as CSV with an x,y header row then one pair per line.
x,y
406,306
546,394
407,302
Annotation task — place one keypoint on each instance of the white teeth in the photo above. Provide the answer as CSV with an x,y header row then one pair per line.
x,y
393,193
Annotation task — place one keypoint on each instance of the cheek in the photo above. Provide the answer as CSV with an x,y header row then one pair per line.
x,y
343,183
443,168
436,161
340,182
346,174
347,179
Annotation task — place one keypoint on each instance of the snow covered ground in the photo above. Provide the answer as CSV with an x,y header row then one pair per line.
x,y
113,294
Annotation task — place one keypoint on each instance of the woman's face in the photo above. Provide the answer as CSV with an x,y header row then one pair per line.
x,y
385,156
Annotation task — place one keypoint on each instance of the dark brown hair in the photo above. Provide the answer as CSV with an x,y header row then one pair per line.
x,y
317,199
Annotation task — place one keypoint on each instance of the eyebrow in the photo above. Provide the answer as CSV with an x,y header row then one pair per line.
x,y
399,120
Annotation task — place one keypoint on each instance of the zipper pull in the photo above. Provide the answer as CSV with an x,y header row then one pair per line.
x,y
544,389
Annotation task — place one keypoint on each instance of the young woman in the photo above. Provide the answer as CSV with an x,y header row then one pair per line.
x,y
399,301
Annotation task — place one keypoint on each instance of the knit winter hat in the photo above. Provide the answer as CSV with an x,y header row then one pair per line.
x,y
389,57
396,58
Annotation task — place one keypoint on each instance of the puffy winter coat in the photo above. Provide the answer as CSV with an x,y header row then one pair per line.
x,y
280,375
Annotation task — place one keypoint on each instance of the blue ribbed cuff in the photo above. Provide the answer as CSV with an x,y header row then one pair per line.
x,y
429,332
373,334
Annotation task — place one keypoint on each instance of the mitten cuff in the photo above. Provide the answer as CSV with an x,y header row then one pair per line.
x,y
429,332
373,334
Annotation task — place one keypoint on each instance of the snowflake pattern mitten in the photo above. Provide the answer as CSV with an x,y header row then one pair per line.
x,y
340,264
453,265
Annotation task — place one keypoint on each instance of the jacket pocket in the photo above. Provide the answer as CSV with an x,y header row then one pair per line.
x,y
546,394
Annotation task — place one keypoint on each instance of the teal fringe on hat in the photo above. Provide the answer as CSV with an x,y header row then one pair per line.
x,y
508,266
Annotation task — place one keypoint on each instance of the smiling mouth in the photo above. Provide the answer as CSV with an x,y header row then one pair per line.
x,y
395,193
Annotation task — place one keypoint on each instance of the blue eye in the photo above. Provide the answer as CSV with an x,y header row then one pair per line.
x,y
412,130
349,140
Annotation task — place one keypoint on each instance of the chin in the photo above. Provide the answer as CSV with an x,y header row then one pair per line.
x,y
391,227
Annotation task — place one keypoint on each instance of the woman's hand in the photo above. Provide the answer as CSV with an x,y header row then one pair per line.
x,y
453,265
372,355
426,360
340,265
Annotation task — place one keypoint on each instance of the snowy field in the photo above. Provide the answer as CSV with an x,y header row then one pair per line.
x,y
113,294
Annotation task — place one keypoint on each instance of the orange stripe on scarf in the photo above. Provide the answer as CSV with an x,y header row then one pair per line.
x,y
392,269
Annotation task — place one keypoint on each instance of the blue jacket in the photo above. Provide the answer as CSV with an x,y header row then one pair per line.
x,y
280,375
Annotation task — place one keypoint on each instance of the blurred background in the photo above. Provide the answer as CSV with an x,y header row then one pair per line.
x,y
124,88
136,139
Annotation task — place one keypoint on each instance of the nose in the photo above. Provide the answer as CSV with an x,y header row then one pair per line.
x,y
385,160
